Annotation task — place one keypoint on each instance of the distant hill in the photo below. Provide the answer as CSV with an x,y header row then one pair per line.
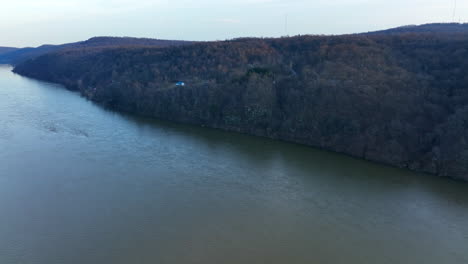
x,y
4,50
127,41
17,56
20,55
426,28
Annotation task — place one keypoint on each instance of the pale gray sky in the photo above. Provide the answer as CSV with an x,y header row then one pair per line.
x,y
34,22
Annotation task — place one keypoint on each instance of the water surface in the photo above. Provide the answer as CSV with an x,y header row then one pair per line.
x,y
80,184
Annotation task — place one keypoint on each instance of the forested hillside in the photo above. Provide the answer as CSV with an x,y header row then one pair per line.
x,y
16,56
4,50
426,28
399,99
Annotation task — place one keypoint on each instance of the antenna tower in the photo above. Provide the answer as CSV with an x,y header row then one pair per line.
x,y
454,10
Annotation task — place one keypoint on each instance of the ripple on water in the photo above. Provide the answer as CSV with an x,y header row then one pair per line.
x,y
82,185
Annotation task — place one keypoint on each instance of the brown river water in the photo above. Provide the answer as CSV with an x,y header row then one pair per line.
x,y
81,184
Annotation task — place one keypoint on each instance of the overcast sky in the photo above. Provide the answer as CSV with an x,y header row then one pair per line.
x,y
35,22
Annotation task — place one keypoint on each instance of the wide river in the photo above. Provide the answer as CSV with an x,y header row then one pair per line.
x,y
81,184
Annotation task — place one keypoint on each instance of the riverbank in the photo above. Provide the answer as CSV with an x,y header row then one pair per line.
x,y
81,184
379,98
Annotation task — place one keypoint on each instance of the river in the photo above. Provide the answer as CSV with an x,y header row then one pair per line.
x,y
82,184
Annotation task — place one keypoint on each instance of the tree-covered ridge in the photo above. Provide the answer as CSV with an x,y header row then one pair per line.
x,y
398,99
427,28
4,50
16,56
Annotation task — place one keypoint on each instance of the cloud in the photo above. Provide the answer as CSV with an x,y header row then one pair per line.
x,y
28,22
228,21
33,10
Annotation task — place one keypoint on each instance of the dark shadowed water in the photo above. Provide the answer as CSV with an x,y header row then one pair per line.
x,y
80,184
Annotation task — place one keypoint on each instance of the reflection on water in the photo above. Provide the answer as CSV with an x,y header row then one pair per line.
x,y
80,184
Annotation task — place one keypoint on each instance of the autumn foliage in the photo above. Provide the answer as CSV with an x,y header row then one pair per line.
x,y
400,99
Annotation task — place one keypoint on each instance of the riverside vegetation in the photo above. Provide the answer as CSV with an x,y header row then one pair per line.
x,y
397,97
